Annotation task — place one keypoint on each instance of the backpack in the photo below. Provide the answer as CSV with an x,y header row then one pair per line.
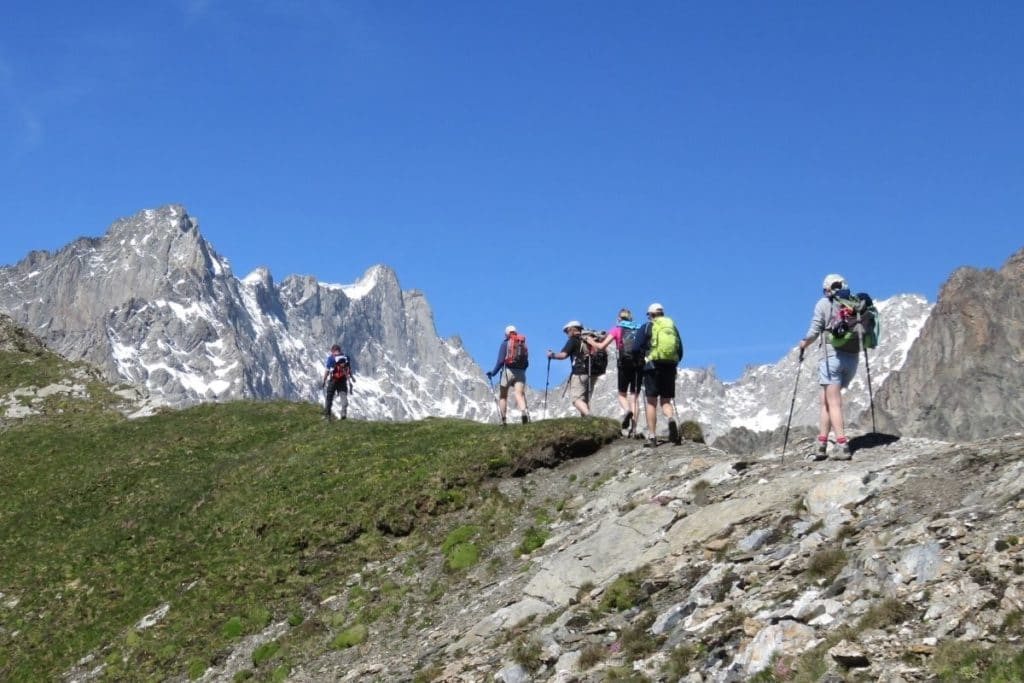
x,y
631,333
594,363
341,370
854,319
518,356
665,343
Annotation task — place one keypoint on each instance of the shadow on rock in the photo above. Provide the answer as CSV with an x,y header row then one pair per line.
x,y
872,440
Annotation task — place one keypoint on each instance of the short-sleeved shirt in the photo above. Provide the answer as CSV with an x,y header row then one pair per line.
x,y
573,349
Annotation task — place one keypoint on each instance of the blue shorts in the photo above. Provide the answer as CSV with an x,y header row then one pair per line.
x,y
838,368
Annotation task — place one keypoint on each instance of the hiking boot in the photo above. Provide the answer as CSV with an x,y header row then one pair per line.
x,y
820,452
651,442
627,420
526,419
842,451
673,433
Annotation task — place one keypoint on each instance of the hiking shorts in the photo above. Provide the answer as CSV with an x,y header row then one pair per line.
x,y
511,377
630,378
838,368
660,380
581,388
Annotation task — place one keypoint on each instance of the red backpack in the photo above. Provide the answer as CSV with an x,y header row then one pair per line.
x,y
517,357
341,369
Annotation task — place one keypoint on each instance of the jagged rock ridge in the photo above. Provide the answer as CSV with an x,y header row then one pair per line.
x,y
965,376
153,303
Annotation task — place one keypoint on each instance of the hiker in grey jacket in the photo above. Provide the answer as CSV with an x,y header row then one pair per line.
x,y
836,371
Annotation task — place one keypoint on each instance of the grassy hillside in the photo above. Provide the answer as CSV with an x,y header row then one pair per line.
x,y
235,516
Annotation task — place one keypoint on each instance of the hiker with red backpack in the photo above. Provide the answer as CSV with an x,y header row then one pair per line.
x,y
630,363
838,365
337,376
513,359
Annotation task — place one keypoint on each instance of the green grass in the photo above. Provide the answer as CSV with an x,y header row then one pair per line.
x,y
236,515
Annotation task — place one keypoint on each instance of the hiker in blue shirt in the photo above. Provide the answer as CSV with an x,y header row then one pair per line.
x,y
512,366
337,375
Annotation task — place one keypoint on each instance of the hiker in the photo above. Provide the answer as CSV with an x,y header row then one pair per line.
x,y
663,349
835,372
337,375
513,359
630,364
581,380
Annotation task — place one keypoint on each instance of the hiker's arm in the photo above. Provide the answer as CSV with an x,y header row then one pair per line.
x,y
566,351
502,352
818,321
603,344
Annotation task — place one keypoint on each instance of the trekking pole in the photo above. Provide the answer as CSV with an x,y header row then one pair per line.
x,y
867,366
785,441
495,397
547,380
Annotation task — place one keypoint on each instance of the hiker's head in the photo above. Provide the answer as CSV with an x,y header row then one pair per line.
x,y
335,349
833,282
654,310
573,327
510,329
625,314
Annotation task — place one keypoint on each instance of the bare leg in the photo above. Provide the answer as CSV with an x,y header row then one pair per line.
x,y
652,416
834,399
824,422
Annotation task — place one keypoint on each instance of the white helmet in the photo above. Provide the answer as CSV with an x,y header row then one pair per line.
x,y
571,324
831,279
656,308
510,329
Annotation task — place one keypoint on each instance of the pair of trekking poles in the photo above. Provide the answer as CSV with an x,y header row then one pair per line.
x,y
799,367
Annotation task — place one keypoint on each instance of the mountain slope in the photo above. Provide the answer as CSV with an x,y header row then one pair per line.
x,y
964,378
152,302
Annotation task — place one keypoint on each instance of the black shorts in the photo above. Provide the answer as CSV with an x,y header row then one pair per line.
x,y
660,380
630,378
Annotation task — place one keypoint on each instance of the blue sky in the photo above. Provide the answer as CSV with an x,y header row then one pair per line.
x,y
533,162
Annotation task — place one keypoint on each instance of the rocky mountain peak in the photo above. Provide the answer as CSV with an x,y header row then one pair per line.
x,y
152,302
963,377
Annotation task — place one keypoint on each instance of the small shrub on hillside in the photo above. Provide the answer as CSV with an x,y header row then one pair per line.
x,y
463,556
353,635
637,640
888,612
533,539
622,594
265,652
592,655
960,661
679,662
459,552
826,564
691,431
526,653
427,674
233,628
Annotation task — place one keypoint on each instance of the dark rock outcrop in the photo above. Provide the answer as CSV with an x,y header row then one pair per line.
x,y
964,376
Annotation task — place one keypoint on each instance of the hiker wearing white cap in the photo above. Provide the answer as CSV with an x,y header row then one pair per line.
x,y
663,349
836,371
580,381
513,359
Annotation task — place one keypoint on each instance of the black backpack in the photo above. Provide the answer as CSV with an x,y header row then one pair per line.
x,y
593,363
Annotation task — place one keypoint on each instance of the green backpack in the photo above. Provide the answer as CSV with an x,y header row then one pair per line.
x,y
854,319
665,342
